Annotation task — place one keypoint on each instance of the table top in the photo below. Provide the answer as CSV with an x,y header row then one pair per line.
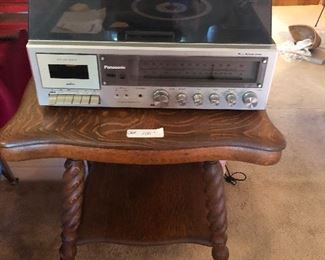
x,y
99,134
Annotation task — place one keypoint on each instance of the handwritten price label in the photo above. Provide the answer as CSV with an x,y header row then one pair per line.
x,y
145,133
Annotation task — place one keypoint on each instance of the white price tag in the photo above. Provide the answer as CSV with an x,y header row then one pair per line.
x,y
145,133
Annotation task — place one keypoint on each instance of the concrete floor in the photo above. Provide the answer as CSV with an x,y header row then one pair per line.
x,y
278,213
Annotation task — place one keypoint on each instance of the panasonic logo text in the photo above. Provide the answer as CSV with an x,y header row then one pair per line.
x,y
107,67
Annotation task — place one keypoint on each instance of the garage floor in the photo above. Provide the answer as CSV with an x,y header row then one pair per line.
x,y
278,213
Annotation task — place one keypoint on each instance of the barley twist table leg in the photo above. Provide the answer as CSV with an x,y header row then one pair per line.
x,y
217,215
72,205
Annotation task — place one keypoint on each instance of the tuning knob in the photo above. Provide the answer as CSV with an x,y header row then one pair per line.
x,y
198,99
231,99
214,99
160,97
181,98
250,99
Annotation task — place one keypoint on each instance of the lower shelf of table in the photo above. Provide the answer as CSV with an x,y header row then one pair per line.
x,y
144,205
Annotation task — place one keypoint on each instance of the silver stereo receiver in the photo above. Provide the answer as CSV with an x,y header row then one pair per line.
x,y
194,54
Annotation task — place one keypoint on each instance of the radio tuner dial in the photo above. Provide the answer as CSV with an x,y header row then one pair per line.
x,y
181,99
160,97
250,99
214,99
231,99
198,99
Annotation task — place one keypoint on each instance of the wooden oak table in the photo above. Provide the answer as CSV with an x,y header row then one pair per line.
x,y
141,191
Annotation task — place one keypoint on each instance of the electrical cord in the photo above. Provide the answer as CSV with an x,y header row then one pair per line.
x,y
229,177
321,12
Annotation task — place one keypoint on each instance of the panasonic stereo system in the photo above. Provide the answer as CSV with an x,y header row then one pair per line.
x,y
195,54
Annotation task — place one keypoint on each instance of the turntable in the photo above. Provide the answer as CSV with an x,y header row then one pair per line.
x,y
194,54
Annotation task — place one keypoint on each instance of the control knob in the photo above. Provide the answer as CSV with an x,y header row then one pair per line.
x,y
198,99
214,99
231,99
250,99
181,98
160,97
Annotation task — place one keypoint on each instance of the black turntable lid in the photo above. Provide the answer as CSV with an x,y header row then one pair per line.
x,y
180,21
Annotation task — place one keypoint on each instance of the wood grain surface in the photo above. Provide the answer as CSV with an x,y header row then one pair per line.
x,y
99,134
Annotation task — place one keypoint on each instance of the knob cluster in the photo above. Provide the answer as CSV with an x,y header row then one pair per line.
x,y
161,98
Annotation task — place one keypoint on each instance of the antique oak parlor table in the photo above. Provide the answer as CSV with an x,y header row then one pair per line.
x,y
141,191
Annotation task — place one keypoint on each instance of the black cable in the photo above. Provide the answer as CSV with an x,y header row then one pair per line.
x,y
229,177
320,16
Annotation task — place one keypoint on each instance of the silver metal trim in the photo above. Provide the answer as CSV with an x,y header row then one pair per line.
x,y
152,44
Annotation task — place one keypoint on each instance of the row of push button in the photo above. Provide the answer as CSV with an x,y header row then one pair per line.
x,y
66,99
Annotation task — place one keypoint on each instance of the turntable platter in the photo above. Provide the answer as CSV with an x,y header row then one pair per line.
x,y
172,10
